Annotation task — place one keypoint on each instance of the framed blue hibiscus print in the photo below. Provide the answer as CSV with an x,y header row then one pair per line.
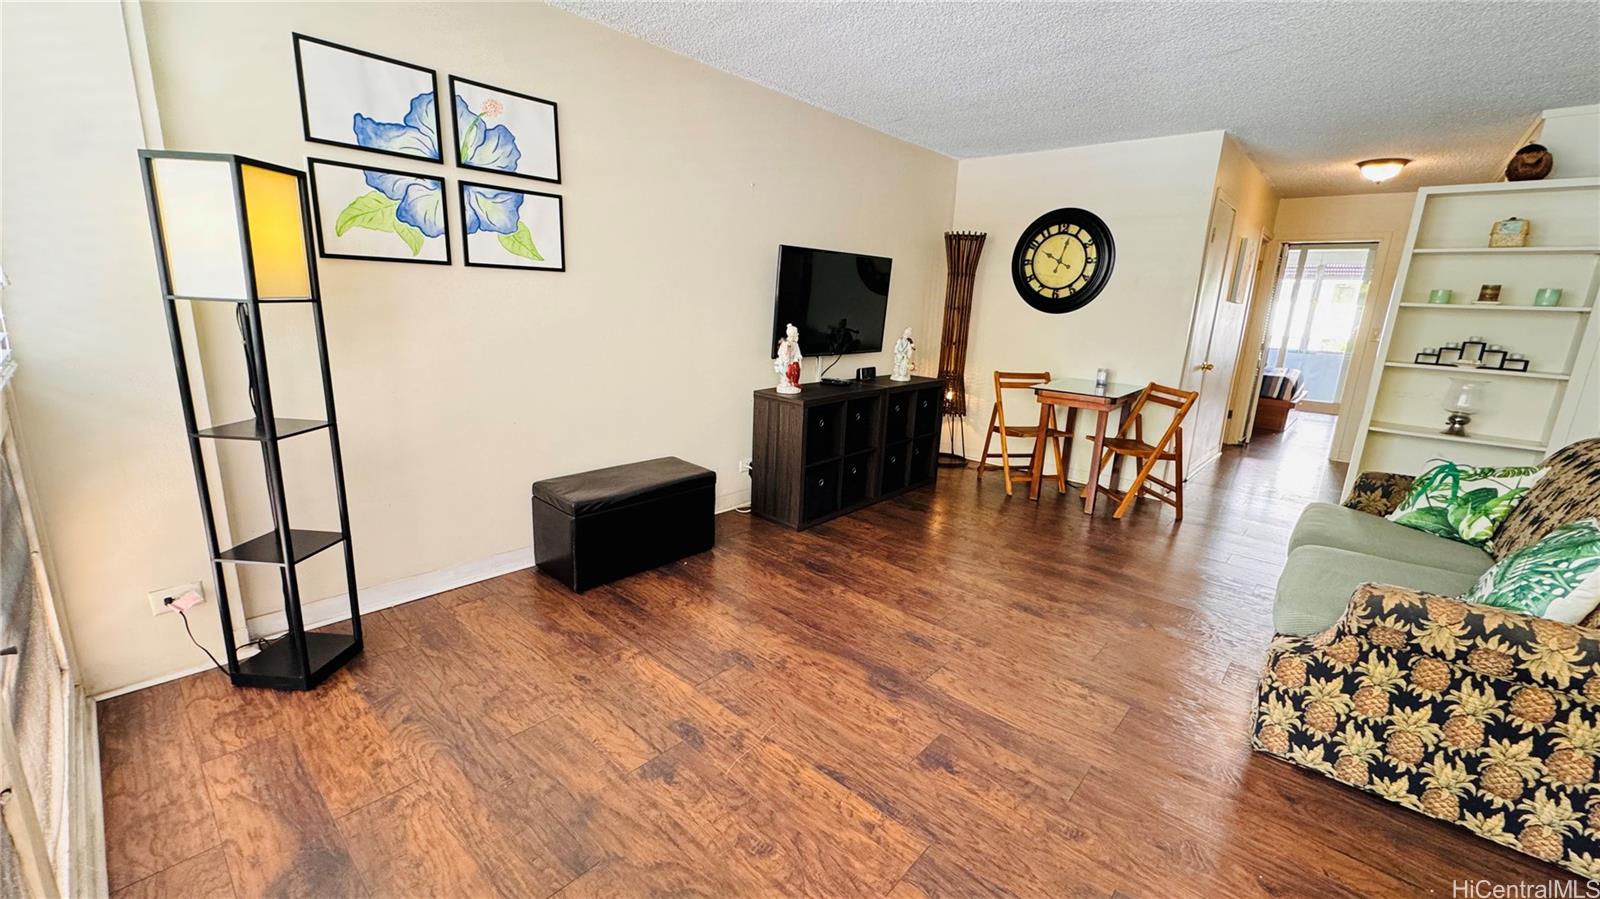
x,y
505,132
362,212
510,228
352,98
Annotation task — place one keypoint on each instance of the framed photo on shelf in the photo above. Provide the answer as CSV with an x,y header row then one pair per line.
x,y
352,98
506,227
1513,232
499,130
380,215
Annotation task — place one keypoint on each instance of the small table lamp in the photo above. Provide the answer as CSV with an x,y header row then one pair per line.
x,y
1462,399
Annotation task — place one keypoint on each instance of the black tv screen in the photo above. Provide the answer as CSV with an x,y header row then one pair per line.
x,y
837,300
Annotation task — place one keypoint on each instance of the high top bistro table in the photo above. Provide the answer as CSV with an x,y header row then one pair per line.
x,y
1072,394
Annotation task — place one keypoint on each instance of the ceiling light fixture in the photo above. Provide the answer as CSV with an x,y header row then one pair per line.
x,y
1379,170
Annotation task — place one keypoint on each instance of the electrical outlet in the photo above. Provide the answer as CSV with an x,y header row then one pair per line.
x,y
744,466
158,598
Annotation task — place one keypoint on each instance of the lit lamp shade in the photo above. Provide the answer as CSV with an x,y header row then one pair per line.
x,y
1380,170
208,208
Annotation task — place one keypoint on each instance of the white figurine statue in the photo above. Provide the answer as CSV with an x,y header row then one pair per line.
x,y
787,365
904,364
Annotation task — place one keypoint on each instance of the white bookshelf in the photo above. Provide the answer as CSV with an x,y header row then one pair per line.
x,y
1497,307
1446,248
1503,251
1387,427
1457,371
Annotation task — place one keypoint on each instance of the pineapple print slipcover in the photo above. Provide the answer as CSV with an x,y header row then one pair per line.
x,y
1378,492
1569,491
1481,717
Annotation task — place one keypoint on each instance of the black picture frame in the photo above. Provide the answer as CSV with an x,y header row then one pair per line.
x,y
561,227
316,211
555,125
305,112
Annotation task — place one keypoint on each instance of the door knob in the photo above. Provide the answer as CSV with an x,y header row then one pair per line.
x,y
1206,366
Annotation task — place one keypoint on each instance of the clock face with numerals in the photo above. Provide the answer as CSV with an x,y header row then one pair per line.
x,y
1063,260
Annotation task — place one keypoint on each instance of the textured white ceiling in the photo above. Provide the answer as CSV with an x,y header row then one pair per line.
x,y
1308,87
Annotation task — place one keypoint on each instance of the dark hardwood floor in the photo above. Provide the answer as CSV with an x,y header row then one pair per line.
x,y
950,694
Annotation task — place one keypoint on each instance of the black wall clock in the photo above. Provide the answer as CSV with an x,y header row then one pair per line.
x,y
1063,260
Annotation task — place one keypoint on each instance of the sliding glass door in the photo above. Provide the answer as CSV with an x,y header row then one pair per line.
x,y
1317,300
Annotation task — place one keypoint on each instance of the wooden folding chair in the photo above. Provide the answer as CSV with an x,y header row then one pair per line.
x,y
1017,380
1180,401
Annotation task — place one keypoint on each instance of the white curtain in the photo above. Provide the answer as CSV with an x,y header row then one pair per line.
x,y
34,685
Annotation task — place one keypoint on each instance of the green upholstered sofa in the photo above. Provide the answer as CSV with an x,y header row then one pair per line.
x,y
1380,679
1335,549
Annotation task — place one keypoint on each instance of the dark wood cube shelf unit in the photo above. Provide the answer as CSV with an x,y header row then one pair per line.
x,y
832,449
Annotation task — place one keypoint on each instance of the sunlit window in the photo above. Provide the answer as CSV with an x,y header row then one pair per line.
x,y
1315,311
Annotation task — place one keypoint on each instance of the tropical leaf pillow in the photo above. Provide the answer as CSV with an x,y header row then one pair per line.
x,y
1464,503
1557,578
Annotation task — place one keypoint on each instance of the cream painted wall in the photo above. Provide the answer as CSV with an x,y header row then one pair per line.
x,y
100,428
1155,196
1382,218
1572,134
457,387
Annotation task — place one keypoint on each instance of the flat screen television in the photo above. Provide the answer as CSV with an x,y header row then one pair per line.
x,y
837,300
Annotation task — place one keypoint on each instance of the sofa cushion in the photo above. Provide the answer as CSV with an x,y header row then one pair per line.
x,y
1464,502
1557,578
1568,492
1318,581
1324,524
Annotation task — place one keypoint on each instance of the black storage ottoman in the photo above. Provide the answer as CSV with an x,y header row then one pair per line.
x,y
597,526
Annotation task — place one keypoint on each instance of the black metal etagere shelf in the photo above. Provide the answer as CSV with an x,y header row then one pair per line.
x,y
266,252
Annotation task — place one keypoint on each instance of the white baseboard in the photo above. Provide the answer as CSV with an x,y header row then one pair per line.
x,y
152,682
337,608
1198,467
334,609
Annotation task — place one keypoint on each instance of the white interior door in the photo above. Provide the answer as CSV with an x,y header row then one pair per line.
x,y
1203,430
